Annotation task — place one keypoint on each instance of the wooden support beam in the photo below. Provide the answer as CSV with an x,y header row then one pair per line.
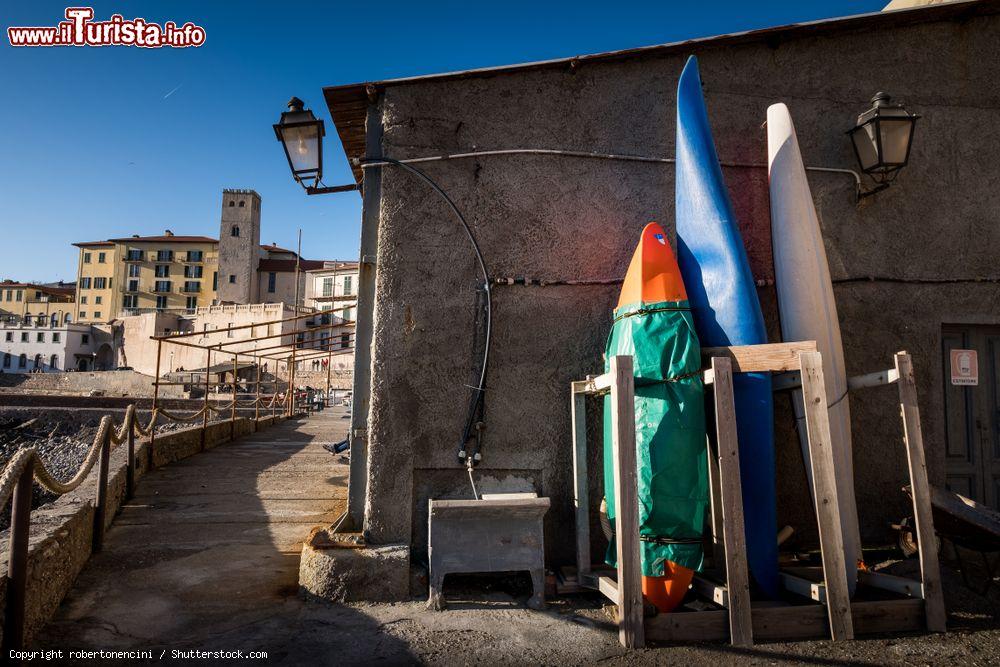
x,y
710,589
892,583
760,358
831,536
581,490
807,588
731,496
630,615
922,512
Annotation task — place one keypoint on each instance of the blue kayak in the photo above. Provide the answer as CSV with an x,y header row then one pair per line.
x,y
723,298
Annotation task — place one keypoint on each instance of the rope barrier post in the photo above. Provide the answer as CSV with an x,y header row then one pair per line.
x,y
100,511
256,403
232,413
130,467
204,417
329,365
17,561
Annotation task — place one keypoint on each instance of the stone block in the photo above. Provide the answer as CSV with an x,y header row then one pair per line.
x,y
354,572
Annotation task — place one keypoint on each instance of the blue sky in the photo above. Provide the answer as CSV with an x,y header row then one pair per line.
x,y
96,145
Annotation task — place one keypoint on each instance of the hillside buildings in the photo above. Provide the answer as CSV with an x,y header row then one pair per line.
x,y
30,301
37,346
175,273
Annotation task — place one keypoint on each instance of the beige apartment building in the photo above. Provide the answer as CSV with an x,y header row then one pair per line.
x,y
180,274
34,303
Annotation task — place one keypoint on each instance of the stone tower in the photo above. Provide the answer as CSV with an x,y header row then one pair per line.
x,y
239,247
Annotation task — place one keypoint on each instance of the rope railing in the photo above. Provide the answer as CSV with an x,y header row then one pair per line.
x,y
27,466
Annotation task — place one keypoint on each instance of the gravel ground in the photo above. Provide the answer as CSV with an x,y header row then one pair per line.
x,y
62,437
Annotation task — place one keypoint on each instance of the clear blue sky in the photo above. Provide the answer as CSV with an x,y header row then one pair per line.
x,y
96,145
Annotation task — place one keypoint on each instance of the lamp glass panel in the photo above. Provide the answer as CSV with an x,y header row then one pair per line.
x,y
864,142
302,144
895,139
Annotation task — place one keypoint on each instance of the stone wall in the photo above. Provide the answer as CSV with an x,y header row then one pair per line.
x,y
61,538
904,262
109,383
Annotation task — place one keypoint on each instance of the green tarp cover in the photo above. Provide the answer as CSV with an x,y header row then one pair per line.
x,y
669,432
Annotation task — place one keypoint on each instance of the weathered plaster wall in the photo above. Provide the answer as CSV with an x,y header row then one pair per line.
x,y
563,218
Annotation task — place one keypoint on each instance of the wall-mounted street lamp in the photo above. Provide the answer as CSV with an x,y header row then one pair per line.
x,y
882,138
301,135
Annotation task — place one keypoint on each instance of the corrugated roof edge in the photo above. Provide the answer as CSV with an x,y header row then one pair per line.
x,y
348,103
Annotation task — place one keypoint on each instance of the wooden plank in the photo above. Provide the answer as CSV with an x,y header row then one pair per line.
x,y
731,497
814,590
630,623
790,622
757,358
831,537
609,588
892,583
876,379
715,498
710,590
922,512
581,491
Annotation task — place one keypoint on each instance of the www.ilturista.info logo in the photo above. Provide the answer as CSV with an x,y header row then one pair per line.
x,y
81,30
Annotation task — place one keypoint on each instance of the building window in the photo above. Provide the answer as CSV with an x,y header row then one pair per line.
x,y
272,279
67,318
161,286
161,302
134,256
130,301
232,204
235,230
6,360
86,258
133,270
232,279
40,337
98,299
56,337
192,302
347,285
17,295
345,341
10,336
101,257
54,362
194,255
242,204
164,255
193,271
85,339
38,361
24,336
192,286
22,361
162,270
54,321
215,280
83,299
133,286
327,286
97,314
83,314
84,283
10,295
100,283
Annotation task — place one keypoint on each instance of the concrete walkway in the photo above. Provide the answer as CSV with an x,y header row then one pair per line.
x,y
209,547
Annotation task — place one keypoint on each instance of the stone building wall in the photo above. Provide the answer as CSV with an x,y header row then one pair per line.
x,y
904,262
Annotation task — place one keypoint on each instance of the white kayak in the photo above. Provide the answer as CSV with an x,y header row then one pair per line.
x,y
808,310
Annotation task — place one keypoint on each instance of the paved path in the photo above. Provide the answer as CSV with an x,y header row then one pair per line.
x,y
209,547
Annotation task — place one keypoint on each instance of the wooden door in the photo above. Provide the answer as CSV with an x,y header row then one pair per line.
x,y
972,416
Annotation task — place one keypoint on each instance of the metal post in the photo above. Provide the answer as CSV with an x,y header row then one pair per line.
x,y
130,468
100,511
17,561
329,355
232,414
204,417
156,396
256,404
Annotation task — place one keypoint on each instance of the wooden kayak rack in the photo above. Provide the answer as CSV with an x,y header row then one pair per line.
x,y
817,602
